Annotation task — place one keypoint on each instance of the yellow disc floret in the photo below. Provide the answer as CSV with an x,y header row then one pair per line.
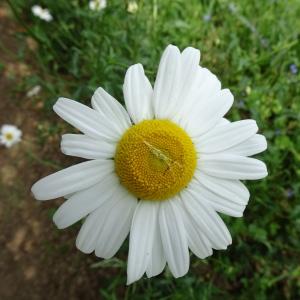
x,y
9,136
155,159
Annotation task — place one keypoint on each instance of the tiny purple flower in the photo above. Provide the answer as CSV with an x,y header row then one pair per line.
x,y
240,104
277,131
290,193
293,69
207,18
264,42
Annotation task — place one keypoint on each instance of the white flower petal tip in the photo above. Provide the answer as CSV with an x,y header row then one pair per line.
x,y
203,117
111,110
170,47
72,179
207,220
261,144
142,235
224,137
254,145
84,202
130,280
229,197
167,84
174,239
232,166
89,121
138,94
117,223
191,56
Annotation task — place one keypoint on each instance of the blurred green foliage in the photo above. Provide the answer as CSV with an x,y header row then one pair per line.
x,y
250,46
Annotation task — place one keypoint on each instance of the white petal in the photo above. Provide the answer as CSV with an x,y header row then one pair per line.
x,y
174,237
72,179
84,202
105,226
86,119
80,145
223,137
209,86
222,122
216,201
111,109
167,83
138,94
205,86
229,189
208,113
117,224
198,242
190,59
141,239
87,238
157,260
232,166
207,220
190,64
251,146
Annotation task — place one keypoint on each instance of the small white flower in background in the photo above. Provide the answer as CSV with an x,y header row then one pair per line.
x,y
97,4
132,7
10,135
42,13
161,169
34,91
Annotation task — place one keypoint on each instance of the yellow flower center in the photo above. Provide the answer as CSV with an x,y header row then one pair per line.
x,y
155,159
9,136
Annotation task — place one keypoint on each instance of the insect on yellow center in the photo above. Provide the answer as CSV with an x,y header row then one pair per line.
x,y
155,159
9,136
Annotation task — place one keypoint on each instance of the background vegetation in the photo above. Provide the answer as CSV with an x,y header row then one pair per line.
x,y
254,48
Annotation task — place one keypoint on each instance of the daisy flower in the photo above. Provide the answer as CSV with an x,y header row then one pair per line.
x,y
42,13
161,169
97,4
10,135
